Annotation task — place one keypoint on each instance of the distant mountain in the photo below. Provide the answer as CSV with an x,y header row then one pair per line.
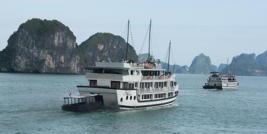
x,y
183,69
175,68
142,57
262,58
48,46
105,47
221,67
201,64
41,46
246,64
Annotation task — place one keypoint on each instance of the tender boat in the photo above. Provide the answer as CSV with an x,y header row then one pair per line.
x,y
221,81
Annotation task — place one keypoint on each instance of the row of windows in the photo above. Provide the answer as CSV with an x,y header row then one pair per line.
x,y
163,95
176,93
125,72
129,97
170,94
147,96
126,85
156,84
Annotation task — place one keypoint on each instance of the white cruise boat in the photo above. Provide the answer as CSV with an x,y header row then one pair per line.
x,y
125,85
130,85
221,81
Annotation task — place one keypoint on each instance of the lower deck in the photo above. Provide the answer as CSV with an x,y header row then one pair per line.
x,y
125,99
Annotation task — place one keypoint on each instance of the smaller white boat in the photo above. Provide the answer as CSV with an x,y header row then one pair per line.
x,y
221,81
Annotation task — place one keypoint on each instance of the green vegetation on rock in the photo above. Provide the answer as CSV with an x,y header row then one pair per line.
x,y
105,47
201,64
245,64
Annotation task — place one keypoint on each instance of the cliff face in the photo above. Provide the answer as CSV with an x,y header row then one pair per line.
x,y
262,58
105,47
201,65
41,46
246,64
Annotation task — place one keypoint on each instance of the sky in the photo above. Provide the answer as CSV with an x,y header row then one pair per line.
x,y
220,29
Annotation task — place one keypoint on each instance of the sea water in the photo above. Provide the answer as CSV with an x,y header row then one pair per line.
x,y
31,104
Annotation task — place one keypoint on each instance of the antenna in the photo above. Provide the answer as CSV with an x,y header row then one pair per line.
x,y
228,70
168,69
127,40
149,39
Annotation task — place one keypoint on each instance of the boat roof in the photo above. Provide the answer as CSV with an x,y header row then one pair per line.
x,y
80,97
122,66
214,72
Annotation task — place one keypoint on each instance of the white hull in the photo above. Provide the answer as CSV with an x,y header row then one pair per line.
x,y
124,99
230,85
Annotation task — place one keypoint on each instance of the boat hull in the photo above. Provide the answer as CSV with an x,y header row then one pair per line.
x,y
125,99
222,86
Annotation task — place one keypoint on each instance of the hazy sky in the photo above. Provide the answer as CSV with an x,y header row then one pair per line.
x,y
220,29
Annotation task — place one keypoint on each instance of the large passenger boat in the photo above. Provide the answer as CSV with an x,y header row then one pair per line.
x,y
126,85
221,81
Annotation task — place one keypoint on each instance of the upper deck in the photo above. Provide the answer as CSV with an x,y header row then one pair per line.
x,y
127,72
125,65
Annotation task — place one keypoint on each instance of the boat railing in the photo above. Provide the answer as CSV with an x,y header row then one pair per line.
x,y
153,90
78,100
161,77
137,65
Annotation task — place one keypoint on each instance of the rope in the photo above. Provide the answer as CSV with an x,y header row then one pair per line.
x,y
141,48
131,34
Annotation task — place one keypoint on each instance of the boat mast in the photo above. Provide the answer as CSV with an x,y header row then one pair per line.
x,y
168,69
149,40
127,40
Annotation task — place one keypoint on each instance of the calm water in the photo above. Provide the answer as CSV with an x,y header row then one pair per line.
x,y
30,104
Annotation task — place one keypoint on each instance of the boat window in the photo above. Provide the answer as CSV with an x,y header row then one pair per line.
x,y
142,85
107,70
175,83
170,94
126,97
125,72
113,71
115,84
147,96
161,84
132,72
165,84
162,95
176,92
98,70
134,97
149,73
171,83
146,85
131,86
93,83
137,72
130,97
121,99
156,85
135,84
125,85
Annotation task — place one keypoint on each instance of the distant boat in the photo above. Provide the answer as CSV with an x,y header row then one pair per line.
x,y
221,81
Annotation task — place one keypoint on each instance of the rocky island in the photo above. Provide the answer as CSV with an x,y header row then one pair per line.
x,y
48,46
